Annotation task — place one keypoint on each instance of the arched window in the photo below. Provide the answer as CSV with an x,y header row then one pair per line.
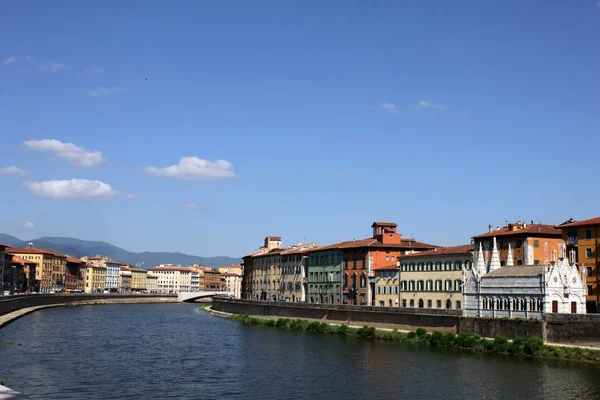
x,y
429,285
411,285
506,304
345,280
363,280
421,305
378,289
429,266
354,280
458,285
458,265
420,286
448,304
448,285
420,267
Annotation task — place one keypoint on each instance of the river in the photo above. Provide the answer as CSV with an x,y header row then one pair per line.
x,y
160,351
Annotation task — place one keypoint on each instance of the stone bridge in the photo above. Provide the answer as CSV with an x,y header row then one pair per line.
x,y
188,297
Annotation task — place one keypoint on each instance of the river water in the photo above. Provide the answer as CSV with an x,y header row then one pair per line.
x,y
161,351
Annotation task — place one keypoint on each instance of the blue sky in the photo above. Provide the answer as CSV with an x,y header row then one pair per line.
x,y
441,116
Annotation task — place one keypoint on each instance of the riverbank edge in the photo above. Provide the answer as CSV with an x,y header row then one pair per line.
x,y
13,316
530,347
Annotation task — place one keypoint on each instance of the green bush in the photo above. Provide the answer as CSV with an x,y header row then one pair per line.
x,y
465,340
412,335
533,345
437,339
486,344
517,346
421,332
317,327
342,330
449,339
500,344
271,322
366,332
282,323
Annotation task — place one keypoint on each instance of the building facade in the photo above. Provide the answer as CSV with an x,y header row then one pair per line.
x,y
95,278
113,274
387,286
582,239
434,278
172,279
124,279
529,291
324,275
139,282
521,243
50,268
210,279
75,274
293,273
232,283
151,283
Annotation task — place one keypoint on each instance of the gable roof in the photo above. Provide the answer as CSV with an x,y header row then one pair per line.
x,y
33,250
571,223
531,229
516,271
406,244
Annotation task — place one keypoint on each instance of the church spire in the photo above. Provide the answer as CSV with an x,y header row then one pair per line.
x,y
480,266
495,261
509,257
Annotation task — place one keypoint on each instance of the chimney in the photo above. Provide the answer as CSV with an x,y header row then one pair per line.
x,y
490,228
30,245
525,225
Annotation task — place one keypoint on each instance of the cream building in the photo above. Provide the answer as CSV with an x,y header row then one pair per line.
x,y
173,279
293,273
139,282
232,283
434,278
95,278
152,283
387,286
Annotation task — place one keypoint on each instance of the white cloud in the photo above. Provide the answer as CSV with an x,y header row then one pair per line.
x,y
423,105
10,60
28,58
387,107
130,196
102,90
68,151
192,205
13,171
96,70
194,168
598,4
73,189
56,67
29,225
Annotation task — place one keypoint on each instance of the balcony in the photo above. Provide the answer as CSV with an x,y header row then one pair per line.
x,y
572,240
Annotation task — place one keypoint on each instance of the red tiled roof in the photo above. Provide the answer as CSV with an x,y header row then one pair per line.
x,y
125,268
440,251
371,242
572,223
33,250
22,261
75,260
278,238
389,266
90,265
391,224
230,274
3,245
531,229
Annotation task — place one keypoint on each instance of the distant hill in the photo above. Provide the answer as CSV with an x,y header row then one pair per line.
x,y
147,259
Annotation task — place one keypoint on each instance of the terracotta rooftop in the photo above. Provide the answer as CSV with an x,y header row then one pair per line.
x,y
180,269
22,261
406,244
386,267
230,274
571,223
531,229
391,224
441,251
75,260
90,265
3,245
278,238
33,250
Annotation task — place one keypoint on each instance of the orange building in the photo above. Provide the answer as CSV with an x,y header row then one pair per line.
x,y
521,243
50,269
75,274
582,239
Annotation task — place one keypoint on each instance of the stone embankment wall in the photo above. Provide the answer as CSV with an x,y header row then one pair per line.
x,y
12,303
558,328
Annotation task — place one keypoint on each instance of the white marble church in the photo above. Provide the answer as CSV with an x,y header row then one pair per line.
x,y
524,291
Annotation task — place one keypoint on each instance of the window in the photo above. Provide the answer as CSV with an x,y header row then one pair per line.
x,y
554,306
378,289
536,262
421,305
590,271
429,303
588,253
404,303
420,267
520,261
392,258
403,286
363,280
429,285
457,265
448,304
412,266
381,303
420,286
404,268
448,285
458,305
396,290
412,303
438,304
438,286
588,234
354,264
458,285
387,258
590,290
411,285
536,243
574,306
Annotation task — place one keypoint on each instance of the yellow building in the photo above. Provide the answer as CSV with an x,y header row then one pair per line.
x,y
50,267
582,239
434,278
139,282
95,278
387,286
